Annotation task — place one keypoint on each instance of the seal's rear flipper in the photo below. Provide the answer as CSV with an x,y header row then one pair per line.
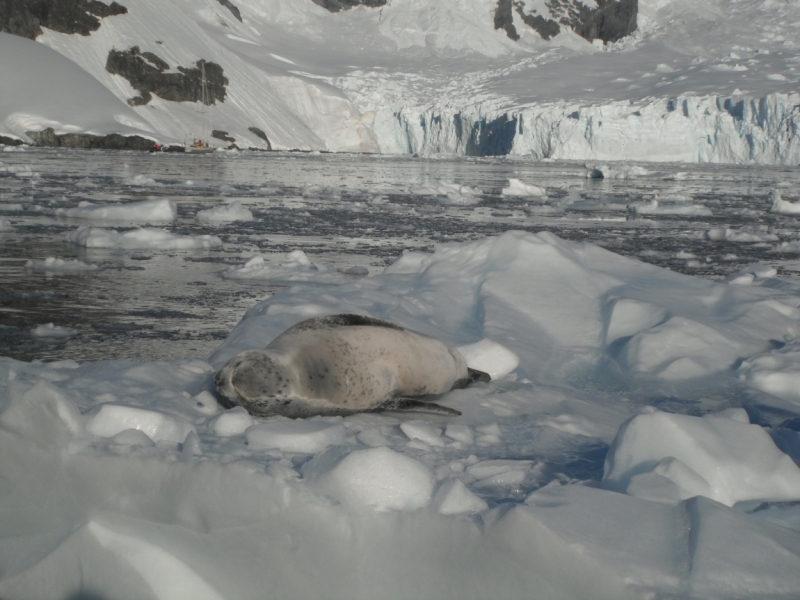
x,y
420,405
475,375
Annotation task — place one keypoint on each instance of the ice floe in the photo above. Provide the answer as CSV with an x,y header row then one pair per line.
x,y
295,267
59,266
518,188
140,239
227,213
147,211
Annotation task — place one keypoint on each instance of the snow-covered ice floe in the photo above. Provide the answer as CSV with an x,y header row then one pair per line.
x,y
779,205
225,214
295,267
127,479
519,188
727,234
654,207
59,266
141,238
52,331
147,211
5,225
448,192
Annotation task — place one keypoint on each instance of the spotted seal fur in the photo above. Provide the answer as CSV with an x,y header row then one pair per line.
x,y
344,364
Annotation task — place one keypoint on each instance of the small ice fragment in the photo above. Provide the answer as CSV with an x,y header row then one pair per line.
x,y
132,437
490,357
460,433
381,479
232,422
454,498
304,437
518,188
225,214
110,419
420,430
53,331
205,403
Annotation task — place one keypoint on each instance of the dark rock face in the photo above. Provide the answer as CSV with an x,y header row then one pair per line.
x,y
257,132
146,73
504,19
113,141
27,17
611,21
233,8
9,141
337,5
222,135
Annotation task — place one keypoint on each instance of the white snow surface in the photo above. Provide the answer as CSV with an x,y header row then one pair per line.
x,y
127,479
39,88
712,81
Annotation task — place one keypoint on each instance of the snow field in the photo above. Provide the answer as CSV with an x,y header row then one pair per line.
x,y
160,489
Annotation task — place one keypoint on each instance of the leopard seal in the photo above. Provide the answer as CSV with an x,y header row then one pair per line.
x,y
344,364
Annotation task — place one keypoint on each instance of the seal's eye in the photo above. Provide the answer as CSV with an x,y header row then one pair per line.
x,y
257,376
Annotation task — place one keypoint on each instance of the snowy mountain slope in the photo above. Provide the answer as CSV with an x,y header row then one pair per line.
x,y
708,81
39,88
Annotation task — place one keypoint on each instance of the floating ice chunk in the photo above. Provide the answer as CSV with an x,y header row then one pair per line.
x,y
490,357
518,188
380,478
140,180
776,372
51,330
5,224
781,206
727,234
453,498
449,193
420,430
110,419
573,424
232,422
142,238
295,267
59,266
716,456
620,171
409,262
655,208
148,211
304,437
225,214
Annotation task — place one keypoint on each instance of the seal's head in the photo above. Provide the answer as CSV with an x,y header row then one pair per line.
x,y
258,380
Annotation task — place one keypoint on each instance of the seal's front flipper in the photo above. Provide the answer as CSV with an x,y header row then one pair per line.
x,y
420,405
475,375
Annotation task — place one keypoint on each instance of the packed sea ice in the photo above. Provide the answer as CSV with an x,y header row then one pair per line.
x,y
128,480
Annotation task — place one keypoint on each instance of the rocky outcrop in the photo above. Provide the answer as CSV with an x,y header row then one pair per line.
x,y
258,133
337,5
27,17
504,19
233,8
86,141
146,72
609,21
222,135
9,141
